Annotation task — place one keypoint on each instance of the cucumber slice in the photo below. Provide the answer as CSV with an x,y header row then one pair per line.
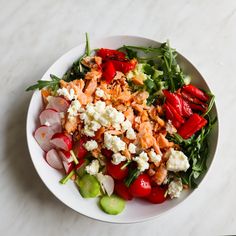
x,y
89,187
112,205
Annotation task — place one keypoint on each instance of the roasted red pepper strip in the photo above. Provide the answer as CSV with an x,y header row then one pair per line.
x,y
107,54
124,66
174,100
195,92
196,107
186,108
109,72
191,126
173,116
194,100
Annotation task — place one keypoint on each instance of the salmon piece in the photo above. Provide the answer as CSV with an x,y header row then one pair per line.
x,y
146,140
144,116
126,140
45,93
129,114
121,107
137,81
137,107
156,147
160,175
115,132
93,74
127,154
91,87
71,124
141,97
119,75
163,142
99,134
124,96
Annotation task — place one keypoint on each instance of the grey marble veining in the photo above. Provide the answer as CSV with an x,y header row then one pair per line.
x,y
35,33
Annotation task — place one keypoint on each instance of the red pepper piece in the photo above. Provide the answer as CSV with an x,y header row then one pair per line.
x,y
186,108
170,115
191,126
175,113
109,71
194,91
107,54
174,100
124,66
194,100
196,107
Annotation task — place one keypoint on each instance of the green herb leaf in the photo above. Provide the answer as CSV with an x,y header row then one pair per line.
x,y
53,84
132,175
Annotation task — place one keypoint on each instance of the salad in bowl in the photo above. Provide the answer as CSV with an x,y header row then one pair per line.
x,y
125,123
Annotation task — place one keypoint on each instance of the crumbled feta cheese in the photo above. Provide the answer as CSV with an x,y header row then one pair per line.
x,y
142,161
91,145
93,167
132,148
130,134
99,92
69,95
126,125
74,108
177,161
117,158
154,157
97,115
114,143
175,187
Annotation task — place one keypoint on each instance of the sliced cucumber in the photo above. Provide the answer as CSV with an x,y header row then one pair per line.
x,y
89,187
112,205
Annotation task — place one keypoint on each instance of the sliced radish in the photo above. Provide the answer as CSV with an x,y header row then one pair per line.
x,y
79,149
62,141
107,183
43,135
50,117
59,104
68,166
53,159
65,156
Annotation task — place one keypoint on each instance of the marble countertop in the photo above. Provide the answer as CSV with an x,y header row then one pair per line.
x,y
35,33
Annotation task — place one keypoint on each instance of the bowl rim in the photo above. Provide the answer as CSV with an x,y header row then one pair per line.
x,y
122,221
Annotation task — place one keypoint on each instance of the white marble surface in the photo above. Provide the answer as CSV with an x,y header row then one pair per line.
x,y
35,33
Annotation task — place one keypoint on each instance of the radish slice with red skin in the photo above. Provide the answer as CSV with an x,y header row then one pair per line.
x,y
61,141
68,166
43,135
58,103
54,160
50,117
65,156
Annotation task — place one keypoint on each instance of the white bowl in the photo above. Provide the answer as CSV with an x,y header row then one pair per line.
x,y
136,210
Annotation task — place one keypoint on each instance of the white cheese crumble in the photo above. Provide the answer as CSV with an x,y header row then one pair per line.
x,y
91,145
113,143
117,158
175,187
126,125
132,148
130,134
97,115
177,161
154,157
74,108
70,95
93,167
142,161
99,92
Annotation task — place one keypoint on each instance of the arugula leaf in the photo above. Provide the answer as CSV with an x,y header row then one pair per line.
x,y
53,84
196,149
